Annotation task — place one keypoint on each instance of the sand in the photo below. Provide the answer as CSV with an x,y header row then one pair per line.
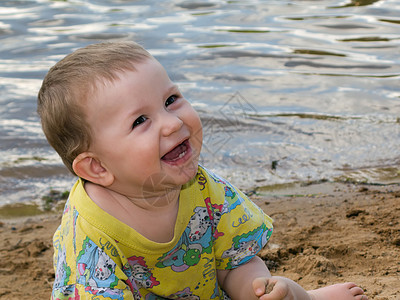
x,y
324,233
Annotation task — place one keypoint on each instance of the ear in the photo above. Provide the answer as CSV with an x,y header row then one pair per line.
x,y
88,167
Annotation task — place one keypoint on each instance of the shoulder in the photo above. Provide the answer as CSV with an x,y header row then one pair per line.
x,y
208,179
234,202
219,187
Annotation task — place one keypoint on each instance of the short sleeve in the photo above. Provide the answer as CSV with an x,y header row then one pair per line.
x,y
243,229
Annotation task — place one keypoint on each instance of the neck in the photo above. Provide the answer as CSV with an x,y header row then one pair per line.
x,y
156,200
112,200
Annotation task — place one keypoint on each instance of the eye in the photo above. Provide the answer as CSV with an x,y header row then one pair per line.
x,y
139,121
170,100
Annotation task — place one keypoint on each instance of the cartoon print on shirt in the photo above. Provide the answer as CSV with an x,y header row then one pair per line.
x,y
232,199
199,223
245,246
96,270
141,274
63,271
215,213
195,240
201,180
105,267
107,293
68,292
127,269
237,252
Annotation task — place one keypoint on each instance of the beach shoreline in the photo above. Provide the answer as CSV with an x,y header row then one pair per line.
x,y
324,233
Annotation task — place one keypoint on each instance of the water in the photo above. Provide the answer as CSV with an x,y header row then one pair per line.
x,y
287,91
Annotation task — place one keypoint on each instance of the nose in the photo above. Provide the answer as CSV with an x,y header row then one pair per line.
x,y
171,123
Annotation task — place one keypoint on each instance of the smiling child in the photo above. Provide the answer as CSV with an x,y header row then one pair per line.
x,y
144,220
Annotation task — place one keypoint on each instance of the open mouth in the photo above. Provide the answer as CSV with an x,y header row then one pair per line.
x,y
178,153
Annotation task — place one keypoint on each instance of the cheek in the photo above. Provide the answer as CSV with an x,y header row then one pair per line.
x,y
195,124
199,131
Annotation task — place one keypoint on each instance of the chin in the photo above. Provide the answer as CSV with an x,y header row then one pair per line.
x,y
189,172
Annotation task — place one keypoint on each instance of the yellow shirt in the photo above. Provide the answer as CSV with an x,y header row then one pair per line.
x,y
99,257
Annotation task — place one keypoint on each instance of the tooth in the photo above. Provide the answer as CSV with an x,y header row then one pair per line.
x,y
182,154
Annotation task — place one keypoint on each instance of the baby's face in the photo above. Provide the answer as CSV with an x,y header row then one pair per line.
x,y
144,131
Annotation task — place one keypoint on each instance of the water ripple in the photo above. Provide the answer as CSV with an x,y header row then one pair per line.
x,y
313,88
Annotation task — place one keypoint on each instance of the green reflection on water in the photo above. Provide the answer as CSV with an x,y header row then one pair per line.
x,y
244,30
357,3
390,21
316,52
366,39
315,17
214,46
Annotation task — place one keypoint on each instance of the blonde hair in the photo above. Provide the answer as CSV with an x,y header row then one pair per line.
x,y
70,82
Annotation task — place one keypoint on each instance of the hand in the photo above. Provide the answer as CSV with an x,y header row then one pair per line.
x,y
274,288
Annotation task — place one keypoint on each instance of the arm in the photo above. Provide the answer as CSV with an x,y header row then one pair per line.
x,y
249,281
238,282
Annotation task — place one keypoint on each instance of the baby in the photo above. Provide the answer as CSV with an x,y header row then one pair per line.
x,y
145,220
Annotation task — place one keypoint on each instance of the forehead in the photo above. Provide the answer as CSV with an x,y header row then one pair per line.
x,y
148,80
142,72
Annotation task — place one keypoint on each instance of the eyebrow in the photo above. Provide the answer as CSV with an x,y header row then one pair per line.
x,y
172,88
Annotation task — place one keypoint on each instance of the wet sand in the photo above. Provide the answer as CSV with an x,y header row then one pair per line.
x,y
324,233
